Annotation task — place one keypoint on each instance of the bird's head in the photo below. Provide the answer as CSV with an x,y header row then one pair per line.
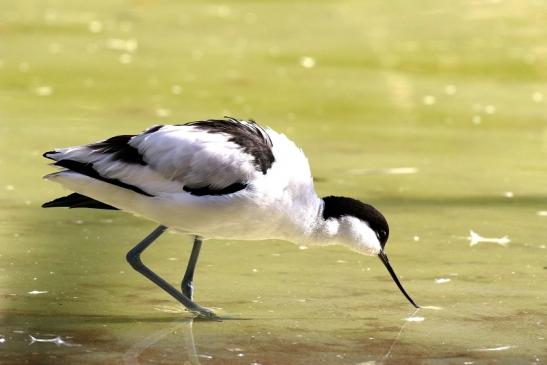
x,y
361,227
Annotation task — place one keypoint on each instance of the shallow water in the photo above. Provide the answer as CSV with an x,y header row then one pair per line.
x,y
443,128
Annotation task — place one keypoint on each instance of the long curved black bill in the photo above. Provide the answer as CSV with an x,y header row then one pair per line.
x,y
385,261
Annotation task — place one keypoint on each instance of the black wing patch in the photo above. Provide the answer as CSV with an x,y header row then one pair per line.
x,y
207,190
153,129
250,136
76,200
120,149
88,170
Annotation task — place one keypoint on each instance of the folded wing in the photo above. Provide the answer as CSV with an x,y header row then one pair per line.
x,y
201,158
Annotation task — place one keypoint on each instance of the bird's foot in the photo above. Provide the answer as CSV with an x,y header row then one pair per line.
x,y
206,313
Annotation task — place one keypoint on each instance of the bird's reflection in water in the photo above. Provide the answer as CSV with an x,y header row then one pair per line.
x,y
131,356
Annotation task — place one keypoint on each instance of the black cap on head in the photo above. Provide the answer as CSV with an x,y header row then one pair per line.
x,y
338,206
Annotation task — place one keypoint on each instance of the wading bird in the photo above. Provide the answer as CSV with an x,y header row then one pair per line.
x,y
214,179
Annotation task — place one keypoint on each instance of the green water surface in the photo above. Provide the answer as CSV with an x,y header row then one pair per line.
x,y
433,111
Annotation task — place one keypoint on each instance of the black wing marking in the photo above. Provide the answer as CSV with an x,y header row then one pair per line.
x,y
88,170
76,200
207,190
249,135
153,129
120,149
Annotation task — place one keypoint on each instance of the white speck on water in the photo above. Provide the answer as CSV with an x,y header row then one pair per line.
x,y
428,100
415,319
43,90
302,247
490,109
255,363
542,213
10,187
36,292
475,239
400,170
163,112
416,238
432,307
255,270
124,45
537,97
2,340
54,48
222,11
508,194
95,26
56,340
468,362
500,348
172,259
234,349
24,67
79,221
442,280
341,261
208,357
476,119
307,62
176,89
450,89
125,58
386,171
240,355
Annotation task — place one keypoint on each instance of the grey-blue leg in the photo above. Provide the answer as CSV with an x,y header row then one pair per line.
x,y
134,259
187,285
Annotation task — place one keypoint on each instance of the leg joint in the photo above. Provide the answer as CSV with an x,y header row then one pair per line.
x,y
134,259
